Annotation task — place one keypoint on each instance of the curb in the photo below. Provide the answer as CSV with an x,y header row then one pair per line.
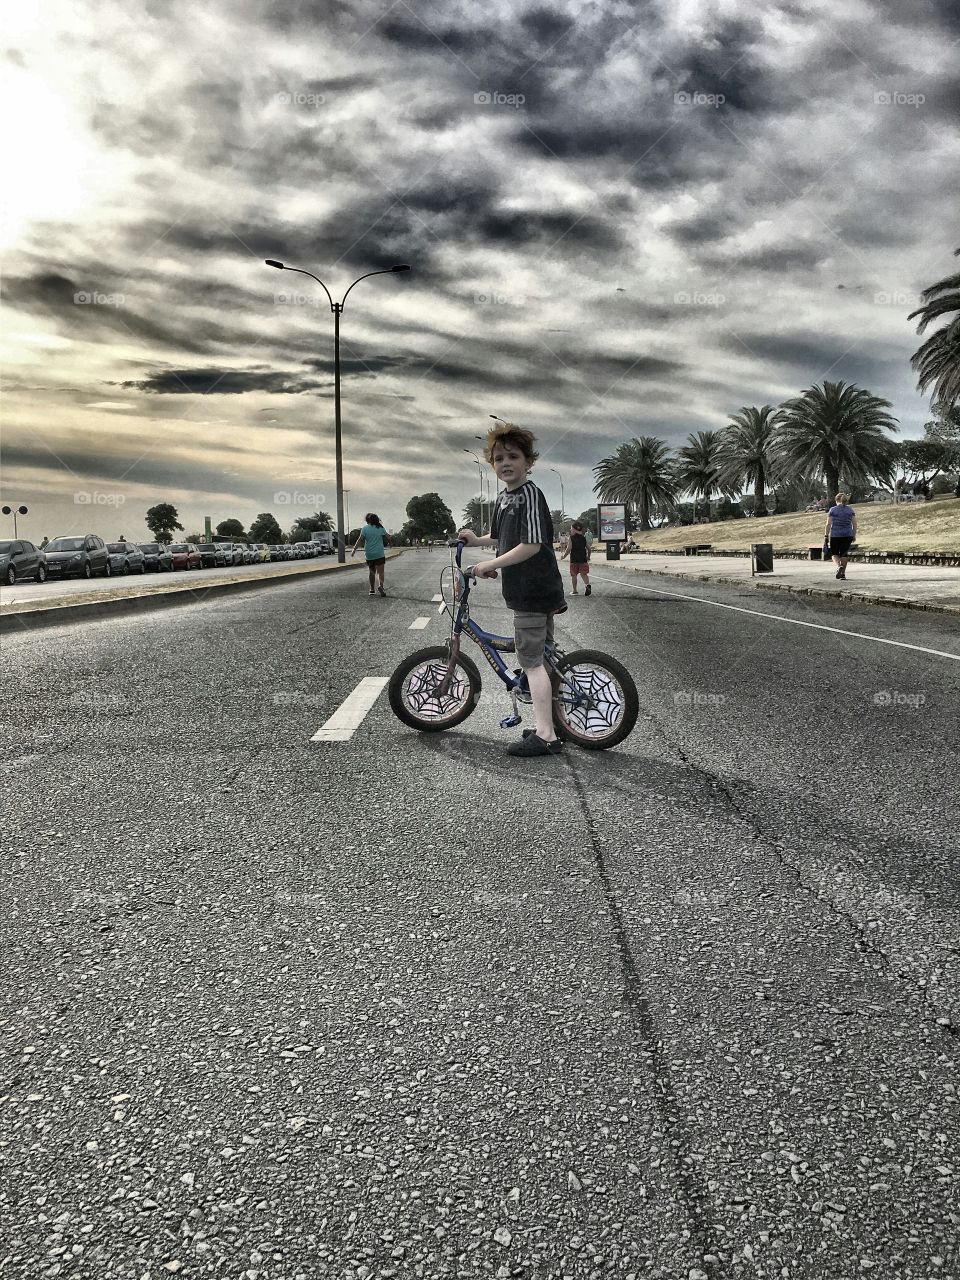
x,y
30,619
859,597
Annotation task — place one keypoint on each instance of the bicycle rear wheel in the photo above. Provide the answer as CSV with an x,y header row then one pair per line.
x,y
415,696
595,702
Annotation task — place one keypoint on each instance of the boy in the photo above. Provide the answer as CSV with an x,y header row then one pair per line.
x,y
579,554
522,532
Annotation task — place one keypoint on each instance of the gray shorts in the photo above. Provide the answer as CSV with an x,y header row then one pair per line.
x,y
532,631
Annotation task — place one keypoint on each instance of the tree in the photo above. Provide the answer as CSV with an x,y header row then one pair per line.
x,y
937,361
428,516
640,472
923,460
162,520
699,466
472,514
561,523
746,454
231,529
266,529
835,431
588,519
320,521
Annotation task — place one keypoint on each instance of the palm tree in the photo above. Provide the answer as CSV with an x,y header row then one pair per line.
x,y
835,431
640,472
700,465
938,360
746,452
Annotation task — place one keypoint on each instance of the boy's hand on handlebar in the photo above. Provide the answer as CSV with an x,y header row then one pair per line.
x,y
484,570
467,536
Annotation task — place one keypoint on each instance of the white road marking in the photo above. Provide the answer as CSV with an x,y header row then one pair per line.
x,y
796,622
349,715
418,624
437,598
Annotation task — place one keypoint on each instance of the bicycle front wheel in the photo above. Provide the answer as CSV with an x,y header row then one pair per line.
x,y
415,690
595,702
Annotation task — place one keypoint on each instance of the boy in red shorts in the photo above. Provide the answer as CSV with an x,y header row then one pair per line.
x,y
579,554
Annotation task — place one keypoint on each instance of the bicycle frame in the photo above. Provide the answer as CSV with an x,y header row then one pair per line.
x,y
489,644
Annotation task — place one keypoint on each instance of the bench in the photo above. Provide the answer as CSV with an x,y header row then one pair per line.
x,y
697,548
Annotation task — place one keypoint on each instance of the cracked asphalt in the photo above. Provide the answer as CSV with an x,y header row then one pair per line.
x,y
407,1006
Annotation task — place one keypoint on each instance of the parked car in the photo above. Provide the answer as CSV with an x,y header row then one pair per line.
x,y
276,551
249,555
185,555
19,559
125,557
77,557
156,556
263,552
208,555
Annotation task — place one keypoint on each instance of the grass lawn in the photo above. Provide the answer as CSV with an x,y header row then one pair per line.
x,y
920,526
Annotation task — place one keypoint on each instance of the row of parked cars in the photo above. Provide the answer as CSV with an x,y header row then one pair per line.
x,y
89,556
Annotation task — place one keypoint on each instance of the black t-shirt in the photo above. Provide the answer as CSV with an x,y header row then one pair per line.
x,y
578,549
535,586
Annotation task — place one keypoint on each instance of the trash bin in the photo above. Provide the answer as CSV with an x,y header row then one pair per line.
x,y
761,556
613,550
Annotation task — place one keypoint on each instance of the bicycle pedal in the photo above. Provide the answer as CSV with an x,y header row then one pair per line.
x,y
510,722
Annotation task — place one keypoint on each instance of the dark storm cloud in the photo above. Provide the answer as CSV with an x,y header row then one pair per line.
x,y
790,258
812,359
223,382
99,313
160,468
704,228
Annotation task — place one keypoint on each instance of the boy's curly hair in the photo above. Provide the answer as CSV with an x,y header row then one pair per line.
x,y
508,433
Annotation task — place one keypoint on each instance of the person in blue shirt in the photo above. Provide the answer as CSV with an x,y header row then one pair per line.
x,y
373,538
840,532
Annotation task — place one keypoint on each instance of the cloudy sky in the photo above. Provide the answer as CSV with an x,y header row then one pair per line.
x,y
621,219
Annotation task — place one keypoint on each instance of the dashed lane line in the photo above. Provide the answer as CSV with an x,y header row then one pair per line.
x,y
348,717
776,617
418,624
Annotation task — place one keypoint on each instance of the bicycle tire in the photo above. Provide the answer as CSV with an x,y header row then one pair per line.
x,y
614,704
413,697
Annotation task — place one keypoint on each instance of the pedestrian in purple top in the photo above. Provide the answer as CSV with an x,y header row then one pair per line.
x,y
840,532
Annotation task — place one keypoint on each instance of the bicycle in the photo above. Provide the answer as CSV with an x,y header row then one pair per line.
x,y
595,701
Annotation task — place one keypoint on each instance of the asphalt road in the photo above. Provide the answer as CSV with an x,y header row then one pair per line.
x,y
404,1005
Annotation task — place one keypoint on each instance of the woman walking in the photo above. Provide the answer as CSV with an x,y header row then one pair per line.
x,y
840,532
372,538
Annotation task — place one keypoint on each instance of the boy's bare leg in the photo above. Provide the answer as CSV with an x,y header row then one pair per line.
x,y
541,691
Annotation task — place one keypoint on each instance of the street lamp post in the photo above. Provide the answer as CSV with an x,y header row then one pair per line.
x,y
337,309
346,502
15,511
496,477
480,473
562,505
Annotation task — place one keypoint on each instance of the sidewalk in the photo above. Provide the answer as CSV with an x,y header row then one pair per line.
x,y
905,586
136,595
